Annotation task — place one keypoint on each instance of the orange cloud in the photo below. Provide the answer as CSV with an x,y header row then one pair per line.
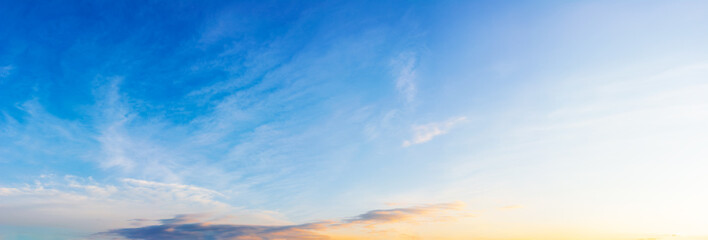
x,y
406,214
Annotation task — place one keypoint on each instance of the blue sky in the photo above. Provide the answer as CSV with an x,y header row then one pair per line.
x,y
277,113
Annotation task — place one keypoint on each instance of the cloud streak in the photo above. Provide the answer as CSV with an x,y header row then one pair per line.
x,y
73,201
405,214
220,231
426,132
193,227
404,67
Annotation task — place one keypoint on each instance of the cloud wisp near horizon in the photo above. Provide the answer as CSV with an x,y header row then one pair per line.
x,y
196,227
245,119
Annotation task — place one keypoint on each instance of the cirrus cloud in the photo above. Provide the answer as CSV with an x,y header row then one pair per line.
x,y
72,201
426,132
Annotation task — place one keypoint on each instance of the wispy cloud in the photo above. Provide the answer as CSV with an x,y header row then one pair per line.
x,y
74,201
129,142
404,66
196,227
405,214
178,192
426,132
39,135
113,115
6,70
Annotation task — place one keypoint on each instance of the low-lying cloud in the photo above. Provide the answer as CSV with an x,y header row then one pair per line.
x,y
74,202
405,214
193,227
219,231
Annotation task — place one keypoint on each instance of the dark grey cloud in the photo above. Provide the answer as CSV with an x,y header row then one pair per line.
x,y
206,231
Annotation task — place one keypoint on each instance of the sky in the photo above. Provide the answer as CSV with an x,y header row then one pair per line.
x,y
497,120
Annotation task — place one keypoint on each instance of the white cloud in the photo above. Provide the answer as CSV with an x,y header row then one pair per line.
x,y
157,190
114,114
40,133
404,68
426,132
131,143
81,203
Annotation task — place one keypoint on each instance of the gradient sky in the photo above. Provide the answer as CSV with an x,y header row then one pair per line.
x,y
353,120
